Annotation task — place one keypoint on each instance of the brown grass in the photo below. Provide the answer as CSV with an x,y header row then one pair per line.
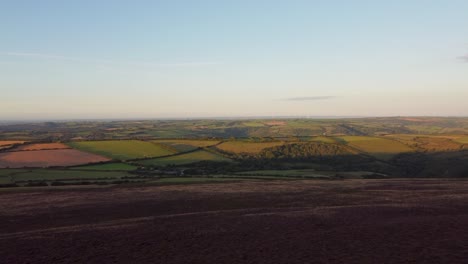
x,y
47,158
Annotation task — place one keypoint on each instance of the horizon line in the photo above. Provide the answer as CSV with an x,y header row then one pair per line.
x,y
39,120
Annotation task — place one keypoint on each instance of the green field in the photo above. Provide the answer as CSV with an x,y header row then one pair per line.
x,y
184,145
123,149
379,147
5,180
238,147
8,172
7,175
48,175
107,167
192,157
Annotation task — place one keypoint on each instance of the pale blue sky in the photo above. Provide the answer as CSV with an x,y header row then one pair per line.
x,y
150,59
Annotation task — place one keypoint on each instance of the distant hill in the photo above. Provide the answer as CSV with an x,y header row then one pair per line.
x,y
240,128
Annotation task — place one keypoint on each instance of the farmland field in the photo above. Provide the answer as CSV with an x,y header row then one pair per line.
x,y
192,157
391,146
5,180
48,175
47,158
379,147
123,149
463,140
107,167
184,145
42,146
436,144
246,147
9,142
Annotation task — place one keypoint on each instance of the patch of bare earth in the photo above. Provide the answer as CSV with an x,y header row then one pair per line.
x,y
47,158
352,221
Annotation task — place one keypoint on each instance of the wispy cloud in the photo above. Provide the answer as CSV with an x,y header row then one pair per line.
x,y
464,58
44,56
309,98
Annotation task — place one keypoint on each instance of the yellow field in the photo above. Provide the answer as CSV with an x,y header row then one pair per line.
x,y
436,144
462,140
378,147
431,142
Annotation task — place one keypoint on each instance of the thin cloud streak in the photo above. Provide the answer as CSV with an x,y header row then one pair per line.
x,y
464,58
99,61
310,98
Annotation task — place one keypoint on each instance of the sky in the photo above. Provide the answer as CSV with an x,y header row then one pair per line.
x,y
92,59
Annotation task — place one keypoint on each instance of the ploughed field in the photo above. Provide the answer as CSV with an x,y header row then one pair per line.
x,y
252,221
